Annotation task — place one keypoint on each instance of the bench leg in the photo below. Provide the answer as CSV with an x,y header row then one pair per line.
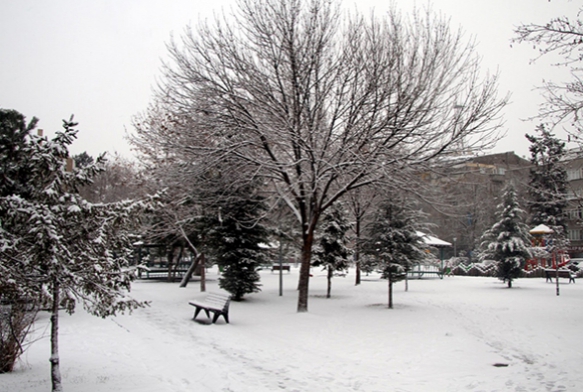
x,y
216,316
196,312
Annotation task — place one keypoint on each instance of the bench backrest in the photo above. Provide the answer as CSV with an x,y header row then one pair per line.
x,y
221,300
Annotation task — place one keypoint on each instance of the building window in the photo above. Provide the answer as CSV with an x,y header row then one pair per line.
x,y
575,234
575,174
575,213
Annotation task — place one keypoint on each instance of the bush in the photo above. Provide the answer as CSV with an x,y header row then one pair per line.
x,y
17,316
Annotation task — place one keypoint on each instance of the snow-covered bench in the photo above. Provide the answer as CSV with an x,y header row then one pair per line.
x,y
215,303
563,273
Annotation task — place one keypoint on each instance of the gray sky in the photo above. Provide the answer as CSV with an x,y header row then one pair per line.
x,y
100,60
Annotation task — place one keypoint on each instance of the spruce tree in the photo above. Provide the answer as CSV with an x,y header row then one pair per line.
x,y
508,241
234,235
548,181
60,249
331,251
394,241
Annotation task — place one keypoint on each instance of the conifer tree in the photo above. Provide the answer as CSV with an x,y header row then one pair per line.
x,y
508,241
548,181
331,251
234,235
60,249
394,241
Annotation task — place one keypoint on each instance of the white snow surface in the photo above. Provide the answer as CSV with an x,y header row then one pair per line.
x,y
442,335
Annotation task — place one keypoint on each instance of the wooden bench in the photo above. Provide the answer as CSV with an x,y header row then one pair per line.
x,y
215,303
284,267
563,273
420,273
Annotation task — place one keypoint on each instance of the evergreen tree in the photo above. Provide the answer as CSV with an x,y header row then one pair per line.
x,y
548,181
508,241
394,241
14,165
331,251
57,247
17,313
234,236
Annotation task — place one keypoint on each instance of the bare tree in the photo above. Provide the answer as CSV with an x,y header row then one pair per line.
x,y
562,36
120,180
319,103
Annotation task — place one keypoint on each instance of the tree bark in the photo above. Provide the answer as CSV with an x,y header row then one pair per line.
x,y
330,273
190,271
390,293
357,251
304,280
202,273
54,360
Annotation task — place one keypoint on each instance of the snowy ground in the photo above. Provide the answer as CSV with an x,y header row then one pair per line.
x,y
443,335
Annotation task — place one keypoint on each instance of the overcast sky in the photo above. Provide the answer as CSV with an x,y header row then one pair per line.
x,y
100,60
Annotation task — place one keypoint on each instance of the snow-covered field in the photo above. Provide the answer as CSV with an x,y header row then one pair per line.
x,y
443,335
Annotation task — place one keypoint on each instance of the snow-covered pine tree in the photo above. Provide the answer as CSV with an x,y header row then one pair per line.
x,y
393,239
331,251
508,241
234,234
548,181
61,249
16,313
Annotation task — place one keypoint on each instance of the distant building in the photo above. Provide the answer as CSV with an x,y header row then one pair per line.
x,y
467,193
574,165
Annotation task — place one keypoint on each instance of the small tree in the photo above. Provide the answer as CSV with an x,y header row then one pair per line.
x,y
507,242
16,317
331,251
234,233
548,180
548,187
394,241
57,247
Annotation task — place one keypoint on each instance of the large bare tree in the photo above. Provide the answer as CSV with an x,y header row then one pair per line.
x,y
319,102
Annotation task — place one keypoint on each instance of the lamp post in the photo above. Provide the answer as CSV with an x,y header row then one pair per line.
x,y
454,247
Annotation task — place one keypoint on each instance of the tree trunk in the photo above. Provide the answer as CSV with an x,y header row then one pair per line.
x,y
330,273
509,283
202,273
54,360
357,252
173,263
304,280
390,293
190,271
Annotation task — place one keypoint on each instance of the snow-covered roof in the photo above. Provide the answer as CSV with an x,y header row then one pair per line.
x,y
541,229
433,241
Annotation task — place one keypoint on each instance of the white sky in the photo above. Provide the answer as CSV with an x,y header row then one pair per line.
x,y
99,60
